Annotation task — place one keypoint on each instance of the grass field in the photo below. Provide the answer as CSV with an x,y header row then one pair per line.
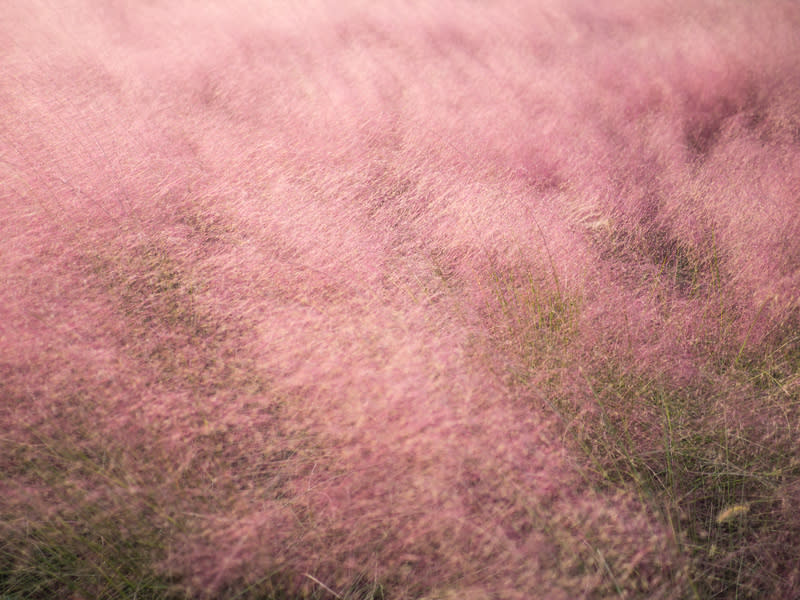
x,y
399,300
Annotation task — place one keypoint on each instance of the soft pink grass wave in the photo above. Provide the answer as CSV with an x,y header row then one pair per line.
x,y
344,182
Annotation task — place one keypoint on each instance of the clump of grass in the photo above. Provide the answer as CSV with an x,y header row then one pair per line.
x,y
709,451
170,329
533,321
83,520
715,459
536,324
97,492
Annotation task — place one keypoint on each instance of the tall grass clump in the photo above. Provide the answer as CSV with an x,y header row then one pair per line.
x,y
394,301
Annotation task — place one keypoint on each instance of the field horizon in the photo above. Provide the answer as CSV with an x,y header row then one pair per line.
x,y
386,301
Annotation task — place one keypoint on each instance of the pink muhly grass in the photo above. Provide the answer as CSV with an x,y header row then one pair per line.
x,y
398,301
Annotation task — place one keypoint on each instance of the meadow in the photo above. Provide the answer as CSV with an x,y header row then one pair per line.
x,y
463,300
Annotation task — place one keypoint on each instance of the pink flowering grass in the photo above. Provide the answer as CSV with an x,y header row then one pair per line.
x,y
346,300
